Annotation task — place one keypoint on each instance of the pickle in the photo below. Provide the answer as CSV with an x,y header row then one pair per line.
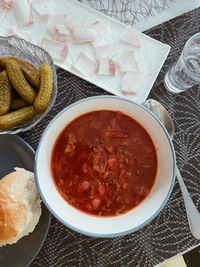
x,y
3,61
19,82
5,93
44,95
14,94
17,117
30,72
17,104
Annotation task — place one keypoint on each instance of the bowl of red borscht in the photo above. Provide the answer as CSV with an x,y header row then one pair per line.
x,y
105,166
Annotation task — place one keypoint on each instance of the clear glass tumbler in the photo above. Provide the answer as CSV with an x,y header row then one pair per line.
x,y
185,73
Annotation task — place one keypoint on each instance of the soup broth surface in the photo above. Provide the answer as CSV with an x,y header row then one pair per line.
x,y
104,163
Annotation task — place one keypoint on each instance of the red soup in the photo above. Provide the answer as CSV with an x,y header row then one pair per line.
x,y
104,163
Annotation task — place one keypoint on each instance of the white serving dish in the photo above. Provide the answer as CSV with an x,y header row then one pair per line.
x,y
150,57
106,226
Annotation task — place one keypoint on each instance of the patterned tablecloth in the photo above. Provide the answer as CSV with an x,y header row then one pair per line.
x,y
143,14
168,234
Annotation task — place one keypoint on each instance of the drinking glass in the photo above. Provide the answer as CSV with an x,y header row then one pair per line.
x,y
185,73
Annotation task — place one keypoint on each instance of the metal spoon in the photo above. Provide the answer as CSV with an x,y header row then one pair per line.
x,y
192,212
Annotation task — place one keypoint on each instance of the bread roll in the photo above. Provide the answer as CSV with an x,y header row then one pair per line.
x,y
20,207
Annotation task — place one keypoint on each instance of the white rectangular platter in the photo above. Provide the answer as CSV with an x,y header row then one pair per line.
x,y
150,56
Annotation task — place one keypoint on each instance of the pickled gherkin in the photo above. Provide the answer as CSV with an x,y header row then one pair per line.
x,y
30,72
3,61
14,94
5,93
16,118
44,95
17,104
25,91
19,82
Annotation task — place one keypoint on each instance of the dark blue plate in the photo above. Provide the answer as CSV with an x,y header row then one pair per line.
x,y
15,152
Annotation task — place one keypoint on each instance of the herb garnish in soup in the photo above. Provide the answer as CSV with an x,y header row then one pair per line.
x,y
104,163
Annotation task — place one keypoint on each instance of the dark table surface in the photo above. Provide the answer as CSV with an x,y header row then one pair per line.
x,y
168,234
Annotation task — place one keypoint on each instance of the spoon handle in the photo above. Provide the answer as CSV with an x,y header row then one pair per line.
x,y
192,212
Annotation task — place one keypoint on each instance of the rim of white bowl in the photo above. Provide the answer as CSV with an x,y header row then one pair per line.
x,y
117,234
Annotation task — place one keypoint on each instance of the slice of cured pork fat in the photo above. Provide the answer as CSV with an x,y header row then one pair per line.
x,y
129,37
84,35
85,65
57,29
44,8
56,49
106,66
126,61
23,12
132,83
